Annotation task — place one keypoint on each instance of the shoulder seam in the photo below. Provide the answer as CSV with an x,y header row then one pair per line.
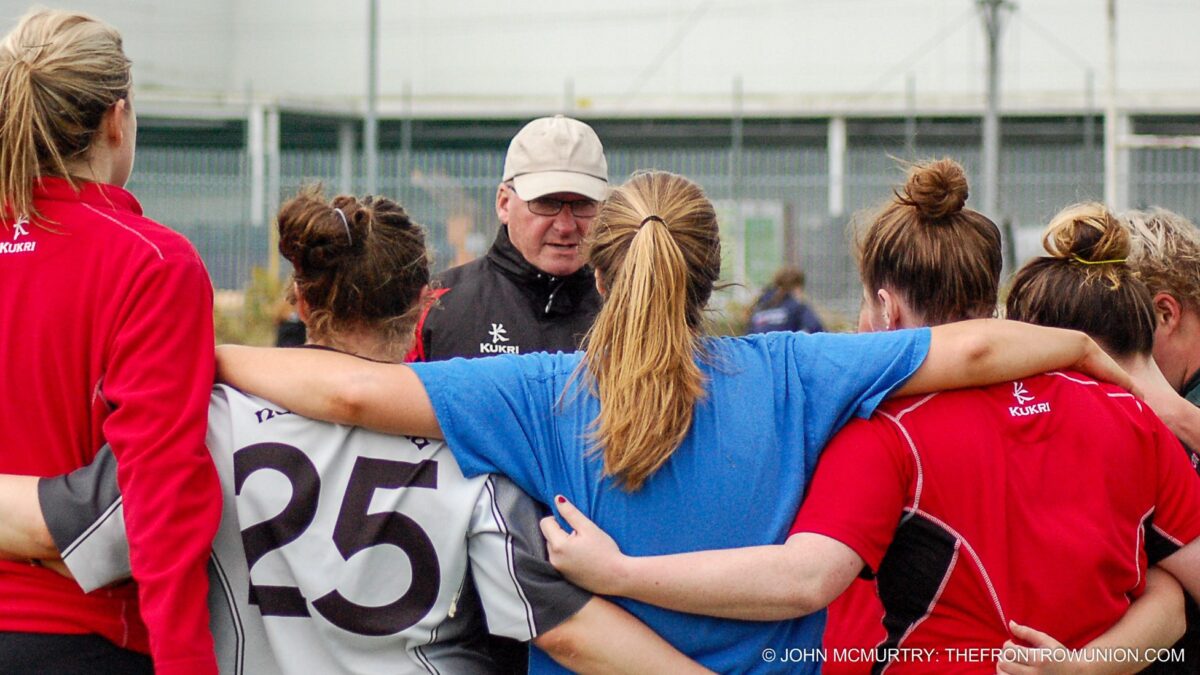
x,y
916,454
916,405
127,228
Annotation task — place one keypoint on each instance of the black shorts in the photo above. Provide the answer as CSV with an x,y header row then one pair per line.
x,y
38,653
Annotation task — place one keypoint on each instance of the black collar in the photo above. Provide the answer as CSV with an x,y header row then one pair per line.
x,y
309,345
1192,383
554,295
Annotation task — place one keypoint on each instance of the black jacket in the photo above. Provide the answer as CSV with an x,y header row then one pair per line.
x,y
500,304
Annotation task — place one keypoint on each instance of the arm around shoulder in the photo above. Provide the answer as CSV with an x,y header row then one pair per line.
x,y
334,387
989,351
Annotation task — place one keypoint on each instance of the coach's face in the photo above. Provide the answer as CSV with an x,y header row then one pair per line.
x,y
548,230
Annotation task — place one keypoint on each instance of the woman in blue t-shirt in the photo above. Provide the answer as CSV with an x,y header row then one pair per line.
x,y
671,440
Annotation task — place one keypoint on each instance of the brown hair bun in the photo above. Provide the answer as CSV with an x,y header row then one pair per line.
x,y
312,234
1087,232
936,189
366,270
1085,284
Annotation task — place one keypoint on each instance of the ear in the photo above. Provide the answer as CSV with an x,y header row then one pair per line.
x,y
889,308
112,125
1167,311
600,284
301,305
503,203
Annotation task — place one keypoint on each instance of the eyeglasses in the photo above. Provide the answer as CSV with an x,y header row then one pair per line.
x,y
546,206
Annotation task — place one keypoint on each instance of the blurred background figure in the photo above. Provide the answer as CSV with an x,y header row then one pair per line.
x,y
289,329
781,306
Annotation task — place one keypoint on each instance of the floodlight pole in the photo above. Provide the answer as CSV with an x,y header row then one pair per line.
x,y
1111,195
371,120
991,13
910,117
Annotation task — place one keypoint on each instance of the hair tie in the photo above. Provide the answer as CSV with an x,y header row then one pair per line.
x,y
1081,261
650,218
345,224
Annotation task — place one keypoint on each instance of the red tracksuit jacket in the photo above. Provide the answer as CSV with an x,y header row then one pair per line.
x,y
108,335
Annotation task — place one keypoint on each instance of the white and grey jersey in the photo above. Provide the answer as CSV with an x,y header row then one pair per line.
x,y
344,550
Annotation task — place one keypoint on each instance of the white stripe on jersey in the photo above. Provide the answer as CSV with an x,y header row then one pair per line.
x,y
509,555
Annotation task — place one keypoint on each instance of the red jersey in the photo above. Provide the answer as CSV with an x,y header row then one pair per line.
x,y
108,335
1034,501
853,621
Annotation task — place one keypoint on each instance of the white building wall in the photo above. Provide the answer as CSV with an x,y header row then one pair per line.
x,y
633,57
179,47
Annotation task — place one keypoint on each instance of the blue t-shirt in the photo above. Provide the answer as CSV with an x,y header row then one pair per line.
x,y
773,402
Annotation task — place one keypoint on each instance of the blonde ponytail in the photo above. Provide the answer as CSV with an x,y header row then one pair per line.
x,y
19,138
656,247
60,72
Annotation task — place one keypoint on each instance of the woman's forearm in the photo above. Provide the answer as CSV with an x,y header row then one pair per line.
x,y
23,532
334,387
1154,621
763,583
1180,416
766,583
987,351
603,638
716,583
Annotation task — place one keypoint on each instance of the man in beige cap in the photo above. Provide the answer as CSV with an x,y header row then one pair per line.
x,y
532,291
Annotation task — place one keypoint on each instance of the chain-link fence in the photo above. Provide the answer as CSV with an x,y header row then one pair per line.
x,y
773,202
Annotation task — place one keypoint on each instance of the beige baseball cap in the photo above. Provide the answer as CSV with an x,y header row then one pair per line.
x,y
556,154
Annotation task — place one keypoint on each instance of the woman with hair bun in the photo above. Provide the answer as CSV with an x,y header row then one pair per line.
x,y
1088,283
933,262
107,335
975,510
675,440
926,260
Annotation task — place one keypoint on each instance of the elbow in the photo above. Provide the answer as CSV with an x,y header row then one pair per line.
x,y
977,348
346,404
563,644
43,543
348,401
813,590
798,599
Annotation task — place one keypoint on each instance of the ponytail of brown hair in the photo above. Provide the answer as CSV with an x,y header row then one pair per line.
x,y
657,251
60,72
